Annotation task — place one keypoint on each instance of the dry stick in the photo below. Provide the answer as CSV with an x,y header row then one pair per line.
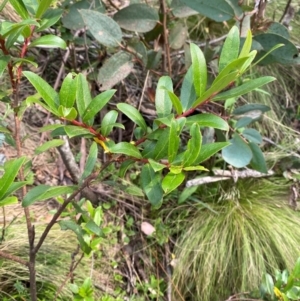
x,y
65,204
166,38
285,10
14,258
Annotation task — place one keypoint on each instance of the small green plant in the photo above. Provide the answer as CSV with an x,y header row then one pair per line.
x,y
285,286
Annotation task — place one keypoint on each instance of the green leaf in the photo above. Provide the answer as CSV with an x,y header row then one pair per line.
x,y
67,93
163,102
178,35
232,66
137,17
93,228
67,113
115,69
296,270
124,167
198,167
49,95
174,140
45,192
20,8
208,120
268,283
43,6
208,150
49,41
14,187
108,122
156,165
217,10
4,59
245,88
199,69
50,17
258,161
133,114
49,144
188,93
172,181
244,121
176,102
90,161
216,87
247,45
97,104
194,146
126,148
186,193
10,200
83,94
11,169
230,49
161,148
238,153
252,135
104,29
139,48
73,131
151,184
251,107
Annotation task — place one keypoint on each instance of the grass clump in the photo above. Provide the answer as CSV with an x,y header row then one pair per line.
x,y
253,232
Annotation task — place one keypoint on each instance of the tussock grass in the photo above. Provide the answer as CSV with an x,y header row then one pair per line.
x,y
226,253
53,263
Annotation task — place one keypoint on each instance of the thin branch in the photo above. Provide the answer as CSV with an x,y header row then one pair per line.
x,y
285,10
13,258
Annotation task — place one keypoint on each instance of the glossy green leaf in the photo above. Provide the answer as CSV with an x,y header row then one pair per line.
x,y
245,88
50,17
238,153
97,104
230,49
176,102
137,17
49,95
20,8
127,149
73,131
83,94
258,161
188,93
10,200
93,228
234,65
151,184
47,145
194,146
161,148
43,6
252,135
115,69
67,113
163,102
174,140
192,168
172,181
261,58
124,167
67,93
45,192
156,165
11,169
249,61
14,187
247,45
208,120
90,161
296,270
244,121
4,59
208,150
268,283
104,29
133,114
108,121
216,87
217,10
199,69
49,41
14,36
